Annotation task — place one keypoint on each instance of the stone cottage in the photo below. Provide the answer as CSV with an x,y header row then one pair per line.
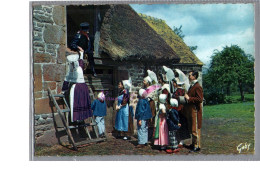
x,y
126,45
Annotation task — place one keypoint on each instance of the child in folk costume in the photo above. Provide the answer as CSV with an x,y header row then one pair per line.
x,y
161,130
99,108
142,114
173,126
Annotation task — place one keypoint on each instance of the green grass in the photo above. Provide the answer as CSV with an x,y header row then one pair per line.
x,y
244,111
226,126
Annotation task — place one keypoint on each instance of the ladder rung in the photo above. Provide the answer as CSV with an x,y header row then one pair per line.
x,y
65,110
58,95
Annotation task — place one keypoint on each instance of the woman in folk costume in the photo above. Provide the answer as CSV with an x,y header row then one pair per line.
x,y
165,88
161,130
75,86
181,85
183,132
169,74
122,107
151,87
143,114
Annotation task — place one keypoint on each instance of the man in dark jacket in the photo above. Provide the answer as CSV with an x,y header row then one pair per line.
x,y
83,42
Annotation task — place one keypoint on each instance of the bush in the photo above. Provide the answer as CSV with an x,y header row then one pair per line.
x,y
214,98
230,99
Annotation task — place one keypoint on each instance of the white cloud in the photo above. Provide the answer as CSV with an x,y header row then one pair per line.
x,y
208,43
210,26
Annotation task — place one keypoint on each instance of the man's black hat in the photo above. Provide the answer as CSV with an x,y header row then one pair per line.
x,y
84,26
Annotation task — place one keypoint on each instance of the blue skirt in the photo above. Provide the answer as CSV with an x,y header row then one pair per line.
x,y
122,118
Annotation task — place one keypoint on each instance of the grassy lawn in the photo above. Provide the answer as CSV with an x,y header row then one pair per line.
x,y
226,126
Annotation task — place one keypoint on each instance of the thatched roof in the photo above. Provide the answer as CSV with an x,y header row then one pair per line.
x,y
173,40
125,36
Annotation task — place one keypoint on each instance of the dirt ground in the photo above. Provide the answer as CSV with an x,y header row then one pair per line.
x,y
219,136
111,146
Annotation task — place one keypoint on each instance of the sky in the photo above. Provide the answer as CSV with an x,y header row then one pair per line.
x,y
208,26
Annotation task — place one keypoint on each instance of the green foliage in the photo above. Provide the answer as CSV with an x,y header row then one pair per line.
x,y
229,67
193,48
237,99
230,99
178,31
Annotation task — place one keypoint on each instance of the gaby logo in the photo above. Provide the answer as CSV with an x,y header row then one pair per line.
x,y
243,147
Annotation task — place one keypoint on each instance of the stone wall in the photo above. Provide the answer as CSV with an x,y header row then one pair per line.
x,y
49,60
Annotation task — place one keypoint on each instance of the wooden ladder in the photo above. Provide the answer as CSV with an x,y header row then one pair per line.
x,y
64,115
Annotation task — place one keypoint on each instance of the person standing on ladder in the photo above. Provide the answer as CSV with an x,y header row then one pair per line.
x,y
84,43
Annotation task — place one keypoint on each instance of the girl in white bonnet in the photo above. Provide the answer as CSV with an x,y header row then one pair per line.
x,y
161,131
142,114
99,108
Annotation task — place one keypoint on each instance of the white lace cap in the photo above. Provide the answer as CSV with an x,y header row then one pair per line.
x,y
152,75
183,78
73,57
167,87
75,72
174,102
127,84
162,98
101,95
148,79
169,73
141,92
178,81
162,107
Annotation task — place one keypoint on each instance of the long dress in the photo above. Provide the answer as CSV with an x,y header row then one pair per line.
x,y
76,90
164,90
122,116
183,132
161,133
130,131
80,102
153,100
172,122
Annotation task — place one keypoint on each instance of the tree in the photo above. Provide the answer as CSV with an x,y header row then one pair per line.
x,y
178,32
193,48
231,66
